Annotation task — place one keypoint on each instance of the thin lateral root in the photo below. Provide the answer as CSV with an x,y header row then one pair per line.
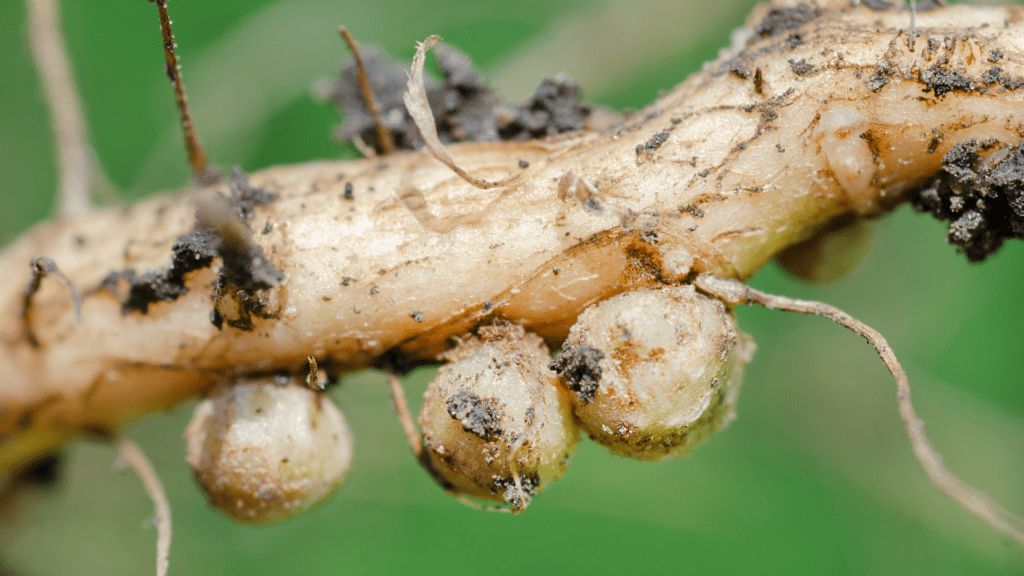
x,y
129,454
42,267
470,503
733,293
387,143
398,402
412,435
201,171
50,56
415,98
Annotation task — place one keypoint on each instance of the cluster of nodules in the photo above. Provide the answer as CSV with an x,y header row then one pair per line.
x,y
981,194
648,374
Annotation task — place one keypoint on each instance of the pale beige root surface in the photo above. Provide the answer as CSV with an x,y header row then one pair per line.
x,y
426,256
264,450
670,368
496,424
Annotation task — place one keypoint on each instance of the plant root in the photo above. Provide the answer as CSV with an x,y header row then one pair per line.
x,y
401,406
387,143
50,55
733,292
129,454
201,171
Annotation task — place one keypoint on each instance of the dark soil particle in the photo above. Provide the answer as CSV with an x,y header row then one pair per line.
x,y
942,81
190,252
480,417
996,75
778,20
465,109
740,71
883,72
692,209
877,4
981,193
555,107
348,194
221,231
928,5
653,144
580,366
995,56
801,67
512,496
244,198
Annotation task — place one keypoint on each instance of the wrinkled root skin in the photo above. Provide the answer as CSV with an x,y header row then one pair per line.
x,y
792,128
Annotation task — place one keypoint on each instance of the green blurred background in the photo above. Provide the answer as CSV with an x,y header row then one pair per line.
x,y
816,475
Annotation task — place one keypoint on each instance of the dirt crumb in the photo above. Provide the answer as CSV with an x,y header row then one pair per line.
x,y
880,77
190,252
465,109
942,81
779,20
221,231
740,71
653,144
512,495
981,193
927,5
244,198
801,67
555,107
481,417
580,367
878,4
692,210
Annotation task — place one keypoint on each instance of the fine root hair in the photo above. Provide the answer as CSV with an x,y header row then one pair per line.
x,y
130,455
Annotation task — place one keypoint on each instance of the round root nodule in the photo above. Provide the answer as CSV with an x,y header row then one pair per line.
x,y
653,373
263,451
496,425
